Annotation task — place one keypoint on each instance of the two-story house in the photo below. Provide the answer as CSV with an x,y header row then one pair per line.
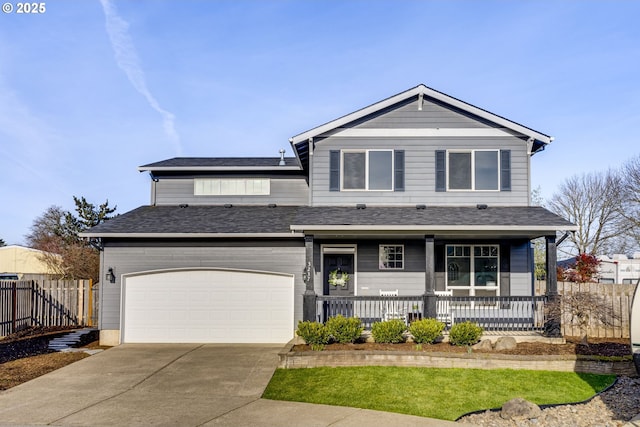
x,y
417,195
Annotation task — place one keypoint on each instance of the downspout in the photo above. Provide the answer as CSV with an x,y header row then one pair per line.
x,y
310,171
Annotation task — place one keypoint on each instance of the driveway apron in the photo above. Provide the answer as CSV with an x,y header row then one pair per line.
x,y
143,384
176,385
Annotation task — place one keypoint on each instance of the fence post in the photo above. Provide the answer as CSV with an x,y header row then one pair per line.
x,y
14,306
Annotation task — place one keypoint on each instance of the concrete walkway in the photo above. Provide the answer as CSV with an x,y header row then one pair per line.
x,y
175,385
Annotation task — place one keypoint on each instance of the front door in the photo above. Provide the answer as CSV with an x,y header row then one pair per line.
x,y
340,268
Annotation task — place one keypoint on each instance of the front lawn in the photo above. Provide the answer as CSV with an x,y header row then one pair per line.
x,y
437,393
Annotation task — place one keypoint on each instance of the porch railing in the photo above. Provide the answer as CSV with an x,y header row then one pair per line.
x,y
512,313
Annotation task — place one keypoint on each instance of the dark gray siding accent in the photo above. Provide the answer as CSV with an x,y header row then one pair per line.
x,y
505,170
419,172
441,170
368,256
334,170
521,261
284,191
398,170
433,114
135,259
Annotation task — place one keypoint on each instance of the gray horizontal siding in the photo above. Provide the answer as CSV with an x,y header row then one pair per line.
x,y
407,283
129,260
420,172
284,191
432,115
521,276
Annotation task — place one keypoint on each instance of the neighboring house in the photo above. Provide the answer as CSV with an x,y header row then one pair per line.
x,y
619,269
418,194
26,263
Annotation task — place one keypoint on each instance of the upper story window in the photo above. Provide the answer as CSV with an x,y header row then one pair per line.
x,y
366,170
231,186
473,170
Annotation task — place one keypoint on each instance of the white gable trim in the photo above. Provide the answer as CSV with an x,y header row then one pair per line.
x,y
417,91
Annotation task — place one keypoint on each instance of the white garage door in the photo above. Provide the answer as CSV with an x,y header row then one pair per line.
x,y
207,306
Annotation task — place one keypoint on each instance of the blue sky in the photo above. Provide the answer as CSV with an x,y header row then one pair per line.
x,y
91,89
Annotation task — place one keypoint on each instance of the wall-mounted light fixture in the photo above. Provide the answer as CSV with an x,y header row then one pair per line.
x,y
110,276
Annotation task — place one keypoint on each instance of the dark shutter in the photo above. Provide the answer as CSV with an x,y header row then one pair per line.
x,y
441,170
505,170
399,170
334,170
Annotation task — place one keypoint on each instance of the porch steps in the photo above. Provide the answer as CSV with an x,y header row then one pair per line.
x,y
68,342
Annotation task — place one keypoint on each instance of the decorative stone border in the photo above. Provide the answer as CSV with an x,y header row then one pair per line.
x,y
311,359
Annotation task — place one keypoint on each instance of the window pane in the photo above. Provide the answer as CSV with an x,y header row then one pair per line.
x,y
354,171
380,170
460,171
458,271
486,271
391,257
486,170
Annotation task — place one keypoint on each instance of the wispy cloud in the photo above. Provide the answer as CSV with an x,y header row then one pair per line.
x,y
127,59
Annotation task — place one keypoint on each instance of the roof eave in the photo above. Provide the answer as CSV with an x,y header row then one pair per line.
x,y
292,234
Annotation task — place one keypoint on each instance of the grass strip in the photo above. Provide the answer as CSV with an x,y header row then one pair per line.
x,y
429,392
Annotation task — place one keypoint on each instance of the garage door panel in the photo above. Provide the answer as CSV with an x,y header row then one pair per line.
x,y
226,306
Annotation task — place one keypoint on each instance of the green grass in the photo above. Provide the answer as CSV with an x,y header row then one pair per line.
x,y
437,393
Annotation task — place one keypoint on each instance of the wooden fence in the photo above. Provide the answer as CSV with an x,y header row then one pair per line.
x,y
616,297
29,303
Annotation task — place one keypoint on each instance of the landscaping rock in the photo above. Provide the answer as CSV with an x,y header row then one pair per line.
x,y
520,409
483,345
506,343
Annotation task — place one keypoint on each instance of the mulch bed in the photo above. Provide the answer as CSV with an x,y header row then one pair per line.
x,y
29,342
598,347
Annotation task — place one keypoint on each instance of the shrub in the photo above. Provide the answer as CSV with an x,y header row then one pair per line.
x,y
426,331
466,333
344,330
389,332
313,333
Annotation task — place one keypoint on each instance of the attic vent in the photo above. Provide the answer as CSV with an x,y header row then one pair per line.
x,y
272,205
282,162
481,206
421,207
228,205
361,206
184,205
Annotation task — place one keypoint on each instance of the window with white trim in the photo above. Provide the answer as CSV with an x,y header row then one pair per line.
x,y
367,170
391,257
473,170
231,186
473,269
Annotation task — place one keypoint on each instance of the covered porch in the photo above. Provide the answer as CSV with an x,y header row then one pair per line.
x,y
451,264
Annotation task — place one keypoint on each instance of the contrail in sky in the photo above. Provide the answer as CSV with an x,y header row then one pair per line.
x,y
127,59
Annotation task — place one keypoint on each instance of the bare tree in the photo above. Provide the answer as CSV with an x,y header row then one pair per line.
x,y
630,206
56,233
592,202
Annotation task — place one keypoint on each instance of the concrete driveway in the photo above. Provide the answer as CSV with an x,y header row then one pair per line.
x,y
175,385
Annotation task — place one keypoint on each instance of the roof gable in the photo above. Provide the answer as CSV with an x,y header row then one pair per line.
x,y
424,97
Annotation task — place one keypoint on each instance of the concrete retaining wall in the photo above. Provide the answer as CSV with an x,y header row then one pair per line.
x,y
312,359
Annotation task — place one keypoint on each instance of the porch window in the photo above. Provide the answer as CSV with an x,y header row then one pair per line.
x,y
391,257
367,170
473,269
473,170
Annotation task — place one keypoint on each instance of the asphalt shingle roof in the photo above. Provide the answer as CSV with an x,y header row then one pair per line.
x,y
210,162
263,219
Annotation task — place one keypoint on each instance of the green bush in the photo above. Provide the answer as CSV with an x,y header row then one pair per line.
x,y
426,331
344,330
313,333
466,333
389,332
